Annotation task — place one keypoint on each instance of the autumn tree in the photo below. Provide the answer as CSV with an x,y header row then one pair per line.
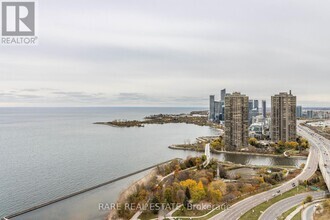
x,y
215,191
155,203
187,193
260,179
291,144
180,196
303,143
186,202
230,188
168,195
223,172
217,144
253,142
189,183
326,204
198,163
203,157
218,185
280,147
176,171
215,196
197,190
247,188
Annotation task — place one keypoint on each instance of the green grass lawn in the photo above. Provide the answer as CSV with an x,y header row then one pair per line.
x,y
254,215
190,213
285,214
215,212
297,216
147,215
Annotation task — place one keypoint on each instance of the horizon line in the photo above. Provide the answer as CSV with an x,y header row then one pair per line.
x,y
123,106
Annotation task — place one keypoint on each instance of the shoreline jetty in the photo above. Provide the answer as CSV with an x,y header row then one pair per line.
x,y
16,214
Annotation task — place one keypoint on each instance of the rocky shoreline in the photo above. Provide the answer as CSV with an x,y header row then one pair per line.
x,y
191,118
130,190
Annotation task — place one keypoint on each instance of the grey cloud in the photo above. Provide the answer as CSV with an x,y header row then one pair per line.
x,y
170,52
123,98
15,96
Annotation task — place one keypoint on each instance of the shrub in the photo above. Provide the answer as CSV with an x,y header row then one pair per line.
x,y
253,142
308,199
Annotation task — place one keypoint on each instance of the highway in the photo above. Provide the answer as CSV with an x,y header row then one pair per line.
x,y
277,209
238,209
323,145
319,154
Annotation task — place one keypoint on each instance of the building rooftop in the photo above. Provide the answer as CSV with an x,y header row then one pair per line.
x,y
237,94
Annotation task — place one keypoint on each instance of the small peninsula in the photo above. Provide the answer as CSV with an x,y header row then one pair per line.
x,y
199,118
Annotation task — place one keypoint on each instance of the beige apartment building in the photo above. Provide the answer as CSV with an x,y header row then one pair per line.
x,y
236,121
283,117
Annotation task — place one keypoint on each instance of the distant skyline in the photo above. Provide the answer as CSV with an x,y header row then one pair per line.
x,y
169,53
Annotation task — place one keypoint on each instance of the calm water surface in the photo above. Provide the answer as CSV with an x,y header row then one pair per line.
x,y
46,153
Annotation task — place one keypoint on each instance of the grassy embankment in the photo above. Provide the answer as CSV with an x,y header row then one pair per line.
x,y
255,213
297,216
285,214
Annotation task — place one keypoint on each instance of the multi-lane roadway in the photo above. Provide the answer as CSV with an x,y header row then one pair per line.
x,y
319,155
323,145
276,210
238,209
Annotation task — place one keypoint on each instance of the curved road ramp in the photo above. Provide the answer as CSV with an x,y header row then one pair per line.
x,y
308,212
276,210
238,209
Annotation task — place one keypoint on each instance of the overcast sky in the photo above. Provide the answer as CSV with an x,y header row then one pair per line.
x,y
169,53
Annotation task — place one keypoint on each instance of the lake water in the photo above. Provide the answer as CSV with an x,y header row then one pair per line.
x,y
47,153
